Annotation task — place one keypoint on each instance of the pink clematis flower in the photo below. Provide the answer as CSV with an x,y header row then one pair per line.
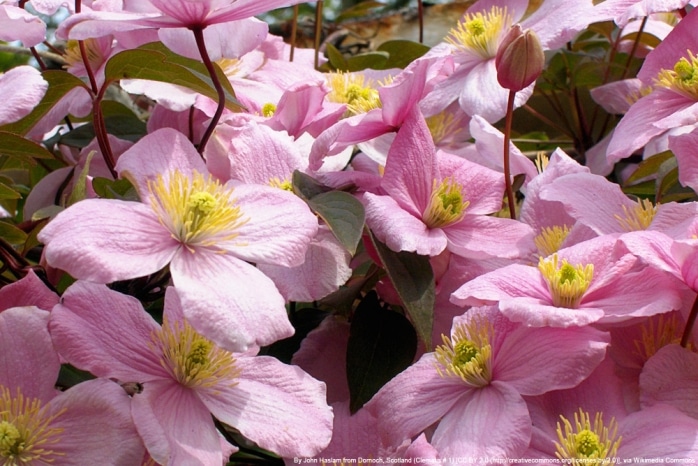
x,y
437,201
89,423
18,24
23,88
591,422
593,281
185,378
472,385
207,232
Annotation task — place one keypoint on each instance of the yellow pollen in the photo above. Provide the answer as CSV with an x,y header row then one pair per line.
x,y
441,126
26,435
197,211
446,204
481,32
230,66
467,354
286,185
73,56
586,443
542,161
550,239
683,79
268,110
567,283
193,360
639,217
656,334
360,94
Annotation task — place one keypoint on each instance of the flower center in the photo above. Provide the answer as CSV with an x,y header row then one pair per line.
x,y
550,239
197,211
191,359
467,354
231,67
73,56
656,334
683,78
567,283
443,126
26,435
268,110
638,217
286,185
355,90
446,204
586,441
481,32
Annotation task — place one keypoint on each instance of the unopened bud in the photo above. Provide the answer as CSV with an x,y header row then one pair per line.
x,y
520,59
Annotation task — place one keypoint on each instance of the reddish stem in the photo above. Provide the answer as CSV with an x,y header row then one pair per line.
x,y
507,168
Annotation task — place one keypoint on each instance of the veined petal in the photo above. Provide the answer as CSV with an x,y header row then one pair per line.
x,y
29,291
23,86
479,236
89,330
105,240
229,301
279,407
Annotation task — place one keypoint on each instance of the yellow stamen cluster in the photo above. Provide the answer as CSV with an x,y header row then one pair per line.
x,y
355,90
268,110
446,204
230,66
442,125
542,161
286,185
567,283
73,55
591,444
656,334
467,354
639,217
481,32
26,435
191,359
197,210
683,79
550,239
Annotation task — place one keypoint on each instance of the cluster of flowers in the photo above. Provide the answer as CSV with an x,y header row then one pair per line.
x,y
175,254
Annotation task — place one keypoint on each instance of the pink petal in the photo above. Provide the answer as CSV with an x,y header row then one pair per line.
x,y
659,432
106,240
670,377
28,360
96,424
29,291
490,422
18,24
175,426
683,148
279,407
479,236
229,301
512,281
23,88
107,333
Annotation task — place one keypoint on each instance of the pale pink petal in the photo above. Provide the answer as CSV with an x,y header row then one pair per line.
x,y
279,407
175,426
29,291
18,24
414,400
659,432
400,230
96,424
224,40
28,360
539,314
229,301
353,435
479,236
278,229
683,147
22,88
105,240
325,269
614,97
491,422
509,282
525,358
671,376
171,96
482,187
107,333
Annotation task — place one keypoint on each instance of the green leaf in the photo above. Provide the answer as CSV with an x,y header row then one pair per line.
x,y
155,62
382,343
120,189
12,234
373,60
306,187
336,59
47,212
7,192
413,279
59,84
360,10
402,52
79,191
21,149
649,167
343,214
644,189
127,127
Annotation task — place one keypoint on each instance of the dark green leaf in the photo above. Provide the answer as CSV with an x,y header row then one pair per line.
x,y
649,167
19,148
306,187
156,63
79,191
335,57
119,189
373,60
12,234
343,214
413,278
382,343
124,127
402,52
6,192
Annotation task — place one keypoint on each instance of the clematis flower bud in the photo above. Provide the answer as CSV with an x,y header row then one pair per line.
x,y
519,59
